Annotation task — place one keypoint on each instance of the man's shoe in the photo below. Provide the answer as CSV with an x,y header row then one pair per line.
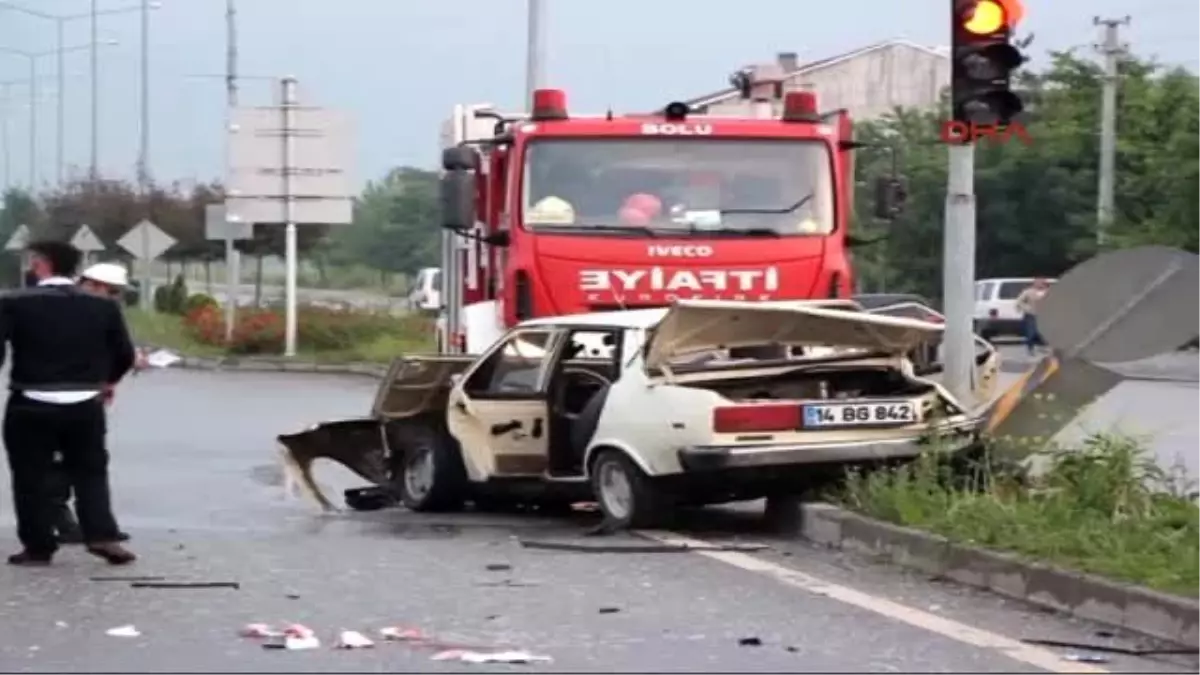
x,y
30,559
122,536
112,552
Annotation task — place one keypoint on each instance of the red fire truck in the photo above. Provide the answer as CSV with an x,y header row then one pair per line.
x,y
549,213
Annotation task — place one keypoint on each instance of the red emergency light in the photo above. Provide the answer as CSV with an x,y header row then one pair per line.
x,y
800,106
549,104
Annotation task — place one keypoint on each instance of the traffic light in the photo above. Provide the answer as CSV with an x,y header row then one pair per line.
x,y
982,61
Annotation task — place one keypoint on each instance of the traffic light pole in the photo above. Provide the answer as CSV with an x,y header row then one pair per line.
x,y
958,275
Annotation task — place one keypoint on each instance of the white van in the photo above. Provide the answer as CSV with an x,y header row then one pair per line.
x,y
996,312
426,295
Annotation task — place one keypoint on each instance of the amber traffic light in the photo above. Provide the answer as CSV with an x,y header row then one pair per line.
x,y
982,60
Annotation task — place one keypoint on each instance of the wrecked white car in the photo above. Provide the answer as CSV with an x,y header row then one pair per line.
x,y
671,413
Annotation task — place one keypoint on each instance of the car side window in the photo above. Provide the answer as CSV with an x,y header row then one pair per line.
x,y
516,368
1009,290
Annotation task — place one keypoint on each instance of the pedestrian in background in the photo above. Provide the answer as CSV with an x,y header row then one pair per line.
x,y
1027,305
69,348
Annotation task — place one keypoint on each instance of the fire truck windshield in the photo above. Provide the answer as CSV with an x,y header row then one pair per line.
x,y
674,186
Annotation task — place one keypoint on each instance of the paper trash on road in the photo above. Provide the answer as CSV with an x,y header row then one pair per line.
x,y
292,642
490,657
352,639
123,631
401,634
161,358
259,630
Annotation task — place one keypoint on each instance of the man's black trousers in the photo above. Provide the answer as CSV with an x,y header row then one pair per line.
x,y
33,433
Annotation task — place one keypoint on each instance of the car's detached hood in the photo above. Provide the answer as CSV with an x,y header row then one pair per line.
x,y
691,326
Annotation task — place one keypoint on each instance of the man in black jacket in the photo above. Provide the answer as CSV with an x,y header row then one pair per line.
x,y
69,350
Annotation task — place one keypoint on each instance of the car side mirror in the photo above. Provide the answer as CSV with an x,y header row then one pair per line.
x,y
457,196
891,192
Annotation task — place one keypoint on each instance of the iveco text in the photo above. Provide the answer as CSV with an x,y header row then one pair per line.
x,y
679,251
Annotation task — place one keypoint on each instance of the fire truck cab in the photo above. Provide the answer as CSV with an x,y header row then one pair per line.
x,y
549,213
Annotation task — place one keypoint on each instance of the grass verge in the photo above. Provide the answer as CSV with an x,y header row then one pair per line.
x,y
1103,508
167,330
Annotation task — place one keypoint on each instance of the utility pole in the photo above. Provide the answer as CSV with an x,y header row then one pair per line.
x,y
144,149
233,258
535,47
93,17
1112,49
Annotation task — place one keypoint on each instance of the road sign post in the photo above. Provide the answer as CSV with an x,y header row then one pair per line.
x,y
220,225
87,242
17,243
288,166
146,242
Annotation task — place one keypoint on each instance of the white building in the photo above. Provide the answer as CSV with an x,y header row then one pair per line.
x,y
868,82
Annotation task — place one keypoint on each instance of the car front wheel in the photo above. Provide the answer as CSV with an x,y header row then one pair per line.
x,y
432,477
624,492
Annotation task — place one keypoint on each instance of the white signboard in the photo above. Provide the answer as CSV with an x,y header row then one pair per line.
x,y
85,240
318,156
145,241
218,226
19,239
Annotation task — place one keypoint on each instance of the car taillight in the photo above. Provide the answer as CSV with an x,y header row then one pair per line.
x,y
742,418
993,313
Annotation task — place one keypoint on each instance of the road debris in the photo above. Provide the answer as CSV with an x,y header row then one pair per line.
x,y
352,639
507,583
127,578
259,630
548,545
1086,658
1113,649
498,567
609,610
123,631
295,636
750,642
291,642
60,624
186,584
467,656
161,358
400,634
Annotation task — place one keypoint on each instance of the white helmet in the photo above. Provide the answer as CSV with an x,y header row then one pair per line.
x,y
110,274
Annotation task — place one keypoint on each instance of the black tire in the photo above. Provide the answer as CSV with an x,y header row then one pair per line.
x,y
444,487
645,505
783,514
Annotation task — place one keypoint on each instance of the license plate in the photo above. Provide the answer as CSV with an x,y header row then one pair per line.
x,y
881,413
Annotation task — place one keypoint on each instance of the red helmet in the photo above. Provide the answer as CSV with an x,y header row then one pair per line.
x,y
644,202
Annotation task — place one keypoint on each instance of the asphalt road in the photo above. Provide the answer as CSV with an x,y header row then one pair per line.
x,y
198,484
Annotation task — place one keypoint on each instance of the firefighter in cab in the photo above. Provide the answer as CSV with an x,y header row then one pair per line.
x,y
551,211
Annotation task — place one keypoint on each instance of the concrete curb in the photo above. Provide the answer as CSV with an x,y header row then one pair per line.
x,y
277,365
1141,610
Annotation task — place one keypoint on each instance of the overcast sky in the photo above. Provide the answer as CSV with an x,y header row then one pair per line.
x,y
399,65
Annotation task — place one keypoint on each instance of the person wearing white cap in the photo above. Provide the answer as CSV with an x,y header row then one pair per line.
x,y
107,280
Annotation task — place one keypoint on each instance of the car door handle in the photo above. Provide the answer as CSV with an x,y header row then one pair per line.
x,y
537,428
505,427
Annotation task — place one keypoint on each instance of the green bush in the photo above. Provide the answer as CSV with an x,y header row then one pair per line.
x,y
198,300
1104,508
162,300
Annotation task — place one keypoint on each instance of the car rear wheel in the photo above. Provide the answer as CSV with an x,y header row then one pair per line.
x,y
432,476
624,492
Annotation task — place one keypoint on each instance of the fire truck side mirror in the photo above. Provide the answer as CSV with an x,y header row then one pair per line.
x,y
460,158
890,194
458,200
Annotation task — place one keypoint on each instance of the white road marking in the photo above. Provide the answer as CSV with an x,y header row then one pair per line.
x,y
977,637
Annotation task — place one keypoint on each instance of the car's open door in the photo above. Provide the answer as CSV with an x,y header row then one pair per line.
x,y
499,411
